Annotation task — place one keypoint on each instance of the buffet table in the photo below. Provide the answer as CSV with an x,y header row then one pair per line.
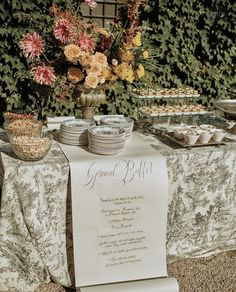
x,y
35,223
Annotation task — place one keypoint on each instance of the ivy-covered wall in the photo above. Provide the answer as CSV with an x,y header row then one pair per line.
x,y
193,39
196,43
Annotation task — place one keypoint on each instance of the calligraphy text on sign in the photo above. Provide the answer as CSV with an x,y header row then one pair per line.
x,y
125,171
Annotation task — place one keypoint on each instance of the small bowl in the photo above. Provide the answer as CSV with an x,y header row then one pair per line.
x,y
218,135
25,127
207,127
31,148
193,128
191,138
179,132
205,137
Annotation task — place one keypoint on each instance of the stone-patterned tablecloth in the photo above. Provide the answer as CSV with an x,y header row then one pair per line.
x,y
35,222
33,243
202,200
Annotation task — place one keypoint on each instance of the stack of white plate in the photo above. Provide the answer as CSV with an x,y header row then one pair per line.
x,y
119,121
75,132
106,140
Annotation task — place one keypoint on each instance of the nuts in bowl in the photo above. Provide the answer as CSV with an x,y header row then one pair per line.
x,y
10,117
31,148
24,127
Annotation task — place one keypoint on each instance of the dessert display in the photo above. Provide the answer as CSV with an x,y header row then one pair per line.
x,y
166,92
23,127
155,105
187,135
31,148
155,110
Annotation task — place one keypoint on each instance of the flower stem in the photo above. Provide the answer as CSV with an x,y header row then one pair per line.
x,y
46,58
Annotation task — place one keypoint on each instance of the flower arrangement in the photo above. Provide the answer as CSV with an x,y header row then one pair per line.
x,y
79,52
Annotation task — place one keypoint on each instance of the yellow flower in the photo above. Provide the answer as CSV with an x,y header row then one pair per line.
x,y
137,40
126,56
75,75
106,72
91,81
130,76
124,71
103,31
72,53
145,54
140,71
121,70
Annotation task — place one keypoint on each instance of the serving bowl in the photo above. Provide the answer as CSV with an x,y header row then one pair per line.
x,y
31,148
179,132
11,116
228,106
24,127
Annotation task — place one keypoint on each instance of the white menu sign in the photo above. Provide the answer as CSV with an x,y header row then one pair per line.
x,y
119,216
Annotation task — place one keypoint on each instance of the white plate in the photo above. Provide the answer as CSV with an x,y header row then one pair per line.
x,y
106,143
77,123
116,120
77,141
106,148
72,135
106,131
68,142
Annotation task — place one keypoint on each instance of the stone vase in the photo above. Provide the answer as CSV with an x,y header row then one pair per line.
x,y
88,99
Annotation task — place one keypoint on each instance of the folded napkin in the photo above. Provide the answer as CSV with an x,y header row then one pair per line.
x,y
53,123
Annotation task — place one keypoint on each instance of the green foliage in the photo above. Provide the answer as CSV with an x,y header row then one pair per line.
x,y
195,41
191,41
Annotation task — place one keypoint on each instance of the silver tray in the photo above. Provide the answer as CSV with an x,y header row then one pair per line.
x,y
156,96
227,106
174,114
182,143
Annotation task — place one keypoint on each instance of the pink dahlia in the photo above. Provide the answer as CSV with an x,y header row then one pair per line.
x,y
44,74
92,4
62,30
86,43
32,45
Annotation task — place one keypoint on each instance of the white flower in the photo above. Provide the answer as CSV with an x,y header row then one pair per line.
x,y
114,62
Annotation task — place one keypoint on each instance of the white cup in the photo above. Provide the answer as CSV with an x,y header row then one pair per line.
x,y
191,138
218,135
205,137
